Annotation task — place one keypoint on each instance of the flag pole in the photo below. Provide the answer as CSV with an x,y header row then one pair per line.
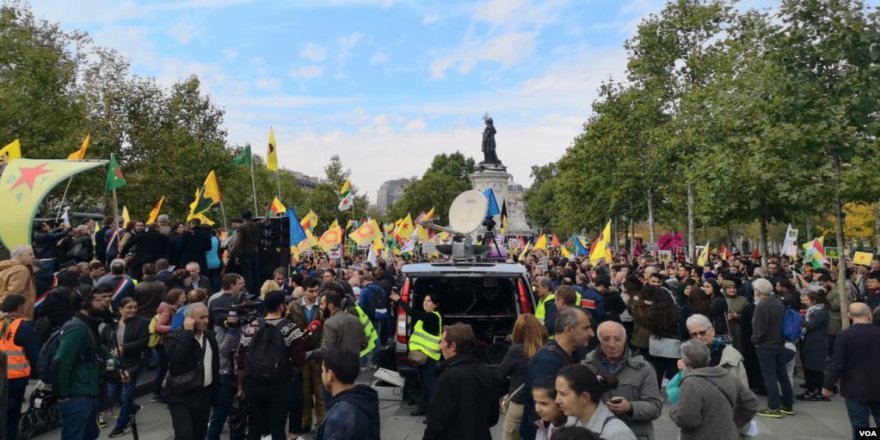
x,y
116,222
253,185
64,198
223,213
278,183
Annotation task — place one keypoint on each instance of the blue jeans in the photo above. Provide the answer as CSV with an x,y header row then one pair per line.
x,y
124,394
427,380
860,412
79,418
772,361
221,411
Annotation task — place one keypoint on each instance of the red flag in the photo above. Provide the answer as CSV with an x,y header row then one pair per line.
x,y
554,242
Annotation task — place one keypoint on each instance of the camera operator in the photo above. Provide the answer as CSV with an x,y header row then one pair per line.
x,y
81,361
128,341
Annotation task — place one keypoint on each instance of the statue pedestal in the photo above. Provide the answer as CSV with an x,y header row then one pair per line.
x,y
495,176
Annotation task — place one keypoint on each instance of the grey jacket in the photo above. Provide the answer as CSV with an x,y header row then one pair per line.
x,y
767,323
605,424
342,330
637,383
713,405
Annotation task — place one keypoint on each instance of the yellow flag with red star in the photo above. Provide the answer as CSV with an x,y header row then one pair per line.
x,y
23,185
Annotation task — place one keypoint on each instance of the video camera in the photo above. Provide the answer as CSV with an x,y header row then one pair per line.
x,y
245,313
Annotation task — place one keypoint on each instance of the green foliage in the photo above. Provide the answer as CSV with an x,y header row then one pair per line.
x,y
445,179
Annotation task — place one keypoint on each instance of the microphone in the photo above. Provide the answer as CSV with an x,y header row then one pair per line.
x,y
313,327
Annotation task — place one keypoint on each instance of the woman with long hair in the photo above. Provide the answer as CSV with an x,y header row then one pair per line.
x,y
529,335
174,299
579,394
717,307
128,341
640,307
814,345
664,324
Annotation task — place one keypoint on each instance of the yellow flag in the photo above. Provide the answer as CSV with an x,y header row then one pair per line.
x,y
406,227
277,207
541,244
81,153
10,152
309,221
331,238
525,251
154,214
422,233
602,247
23,185
272,153
211,189
196,211
125,216
565,252
704,256
367,232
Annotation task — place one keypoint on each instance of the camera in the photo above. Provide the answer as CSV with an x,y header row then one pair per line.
x,y
244,313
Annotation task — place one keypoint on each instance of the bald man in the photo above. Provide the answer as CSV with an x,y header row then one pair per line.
x,y
855,363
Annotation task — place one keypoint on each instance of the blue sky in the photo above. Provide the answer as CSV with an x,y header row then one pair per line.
x,y
386,84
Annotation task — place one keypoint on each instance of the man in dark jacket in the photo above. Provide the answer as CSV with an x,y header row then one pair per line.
x,y
855,360
46,240
149,292
151,246
195,243
355,411
465,401
770,349
245,252
57,308
573,332
186,348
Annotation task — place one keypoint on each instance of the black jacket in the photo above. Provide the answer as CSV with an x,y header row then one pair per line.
x,y
193,248
134,341
57,308
149,294
767,324
464,405
513,368
180,346
855,360
151,246
353,416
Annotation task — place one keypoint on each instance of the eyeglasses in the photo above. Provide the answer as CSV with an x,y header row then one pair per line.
x,y
699,334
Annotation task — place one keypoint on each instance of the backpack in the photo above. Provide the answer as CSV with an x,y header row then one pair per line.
x,y
267,357
791,324
155,337
377,300
47,366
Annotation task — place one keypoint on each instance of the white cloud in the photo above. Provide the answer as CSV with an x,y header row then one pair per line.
x,y
313,52
267,83
430,19
415,124
378,58
519,14
184,31
346,44
132,42
506,49
307,72
230,54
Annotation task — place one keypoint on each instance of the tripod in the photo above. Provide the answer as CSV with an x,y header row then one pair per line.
x,y
129,400
489,223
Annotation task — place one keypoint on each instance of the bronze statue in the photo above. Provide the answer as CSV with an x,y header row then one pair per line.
x,y
489,142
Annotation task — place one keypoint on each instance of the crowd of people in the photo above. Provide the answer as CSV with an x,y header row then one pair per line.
x,y
256,354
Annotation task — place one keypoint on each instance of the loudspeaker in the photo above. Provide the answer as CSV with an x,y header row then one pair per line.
x,y
274,245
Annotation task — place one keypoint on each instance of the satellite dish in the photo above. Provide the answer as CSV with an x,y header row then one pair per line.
x,y
468,211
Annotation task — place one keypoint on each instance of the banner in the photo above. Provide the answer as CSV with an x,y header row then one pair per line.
x,y
23,185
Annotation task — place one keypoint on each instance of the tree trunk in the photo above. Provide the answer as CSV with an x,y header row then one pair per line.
x,y
838,229
692,240
876,208
763,244
650,216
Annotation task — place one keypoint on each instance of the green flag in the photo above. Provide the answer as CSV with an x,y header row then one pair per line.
x,y
243,157
115,179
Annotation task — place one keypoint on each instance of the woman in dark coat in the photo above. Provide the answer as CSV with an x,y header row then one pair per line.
x,y
814,346
717,308
128,340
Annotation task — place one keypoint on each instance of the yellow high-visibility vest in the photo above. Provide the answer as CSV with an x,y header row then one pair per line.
x,y
421,340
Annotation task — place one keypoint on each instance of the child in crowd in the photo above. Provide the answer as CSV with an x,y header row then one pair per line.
x,y
552,417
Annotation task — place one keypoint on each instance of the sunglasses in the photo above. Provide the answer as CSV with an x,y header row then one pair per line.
x,y
699,334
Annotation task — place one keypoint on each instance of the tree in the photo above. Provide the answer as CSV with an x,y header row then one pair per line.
x,y
827,53
445,179
324,199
